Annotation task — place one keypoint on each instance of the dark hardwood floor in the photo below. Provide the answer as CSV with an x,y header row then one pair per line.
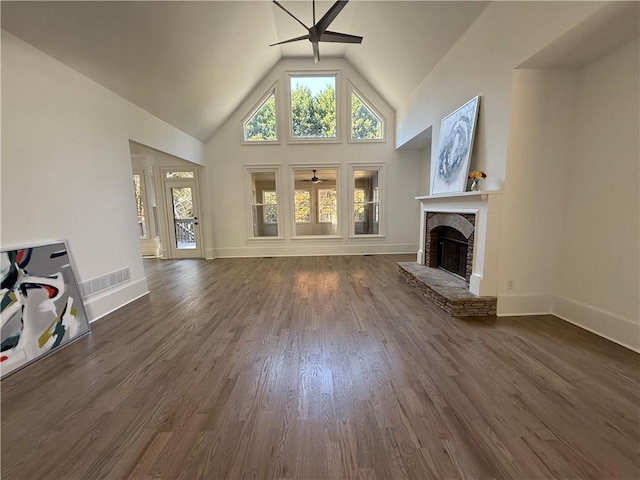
x,y
321,367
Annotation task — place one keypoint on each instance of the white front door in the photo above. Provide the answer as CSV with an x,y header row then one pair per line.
x,y
183,211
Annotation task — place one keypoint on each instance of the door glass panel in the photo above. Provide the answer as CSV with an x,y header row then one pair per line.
x,y
179,174
183,217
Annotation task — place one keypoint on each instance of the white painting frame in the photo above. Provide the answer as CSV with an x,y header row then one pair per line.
x,y
451,167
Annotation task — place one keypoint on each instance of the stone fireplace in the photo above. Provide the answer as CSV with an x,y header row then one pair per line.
x,y
459,233
476,215
449,242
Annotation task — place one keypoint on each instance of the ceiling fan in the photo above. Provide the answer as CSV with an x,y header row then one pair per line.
x,y
313,179
318,32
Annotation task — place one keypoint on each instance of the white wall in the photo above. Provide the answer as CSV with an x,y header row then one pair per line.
x,y
66,166
480,63
226,158
539,147
563,145
598,283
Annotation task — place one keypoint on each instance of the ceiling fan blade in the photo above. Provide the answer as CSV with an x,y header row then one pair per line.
x,y
290,14
330,16
337,37
303,37
316,52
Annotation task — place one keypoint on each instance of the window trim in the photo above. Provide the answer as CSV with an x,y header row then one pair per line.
x,y
270,168
379,167
354,91
272,90
314,73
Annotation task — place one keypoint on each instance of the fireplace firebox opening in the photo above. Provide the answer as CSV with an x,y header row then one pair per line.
x,y
449,242
452,251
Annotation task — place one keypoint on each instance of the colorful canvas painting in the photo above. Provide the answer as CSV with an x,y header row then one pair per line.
x,y
454,149
41,306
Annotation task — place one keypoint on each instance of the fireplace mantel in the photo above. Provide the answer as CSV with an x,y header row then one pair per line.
x,y
486,206
461,195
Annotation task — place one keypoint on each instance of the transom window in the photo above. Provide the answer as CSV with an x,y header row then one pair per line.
x,y
261,125
173,174
312,102
366,124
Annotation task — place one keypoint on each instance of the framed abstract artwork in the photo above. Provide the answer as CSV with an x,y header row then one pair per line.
x,y
41,307
457,130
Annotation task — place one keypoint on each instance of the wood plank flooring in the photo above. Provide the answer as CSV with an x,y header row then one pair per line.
x,y
319,368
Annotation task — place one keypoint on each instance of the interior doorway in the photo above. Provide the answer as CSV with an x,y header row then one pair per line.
x,y
183,213
168,203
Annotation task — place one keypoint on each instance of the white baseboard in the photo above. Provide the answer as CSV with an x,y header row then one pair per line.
x,y
616,328
103,304
517,305
289,250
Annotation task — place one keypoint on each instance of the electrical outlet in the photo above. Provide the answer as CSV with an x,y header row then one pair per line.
x,y
511,284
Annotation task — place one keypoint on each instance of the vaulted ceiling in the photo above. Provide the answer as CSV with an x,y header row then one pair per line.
x,y
192,63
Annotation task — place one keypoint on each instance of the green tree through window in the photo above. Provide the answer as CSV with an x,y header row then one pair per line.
x,y
327,206
269,199
262,124
313,107
302,206
365,125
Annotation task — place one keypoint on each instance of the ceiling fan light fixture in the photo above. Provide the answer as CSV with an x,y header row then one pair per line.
x,y
318,31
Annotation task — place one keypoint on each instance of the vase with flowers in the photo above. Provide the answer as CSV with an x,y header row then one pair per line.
x,y
475,177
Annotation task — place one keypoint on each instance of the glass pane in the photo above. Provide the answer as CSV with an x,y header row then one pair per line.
x,y
182,200
137,186
365,125
262,228
313,107
265,204
358,204
179,174
366,203
302,206
327,206
261,126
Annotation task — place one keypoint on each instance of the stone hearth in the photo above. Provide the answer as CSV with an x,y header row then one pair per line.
x,y
447,291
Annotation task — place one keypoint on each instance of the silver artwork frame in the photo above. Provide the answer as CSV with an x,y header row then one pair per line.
x,y
457,131
42,307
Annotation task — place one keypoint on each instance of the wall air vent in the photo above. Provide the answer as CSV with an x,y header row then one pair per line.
x,y
105,282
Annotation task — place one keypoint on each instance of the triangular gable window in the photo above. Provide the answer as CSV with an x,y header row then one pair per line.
x,y
365,123
261,124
